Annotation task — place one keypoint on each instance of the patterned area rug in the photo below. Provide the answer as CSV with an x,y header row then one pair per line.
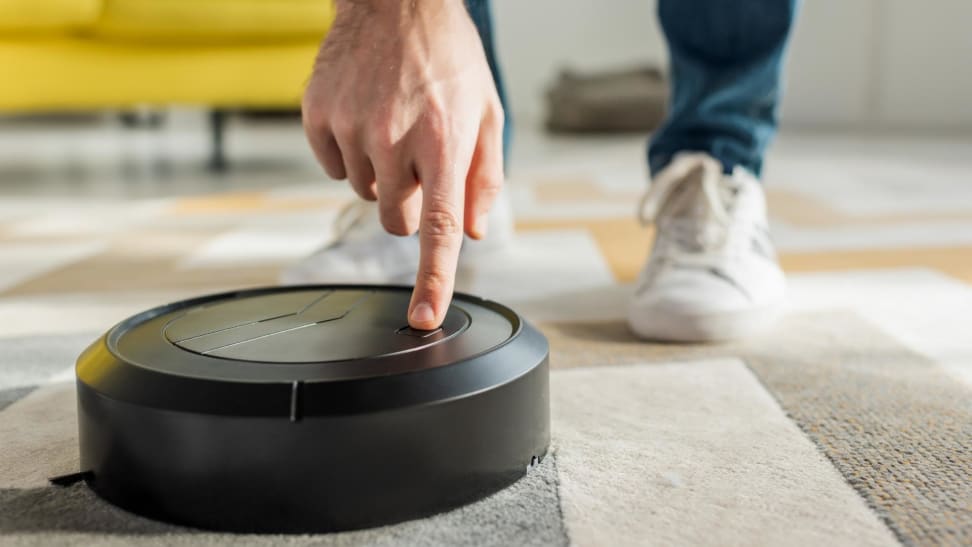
x,y
849,424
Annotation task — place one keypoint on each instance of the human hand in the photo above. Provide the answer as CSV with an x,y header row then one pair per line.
x,y
402,104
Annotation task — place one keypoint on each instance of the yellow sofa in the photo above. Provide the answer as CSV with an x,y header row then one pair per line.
x,y
91,54
58,55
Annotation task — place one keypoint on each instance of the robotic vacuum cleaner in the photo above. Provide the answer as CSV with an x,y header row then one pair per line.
x,y
310,409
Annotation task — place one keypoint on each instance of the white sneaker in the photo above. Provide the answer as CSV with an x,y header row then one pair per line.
x,y
712,274
363,252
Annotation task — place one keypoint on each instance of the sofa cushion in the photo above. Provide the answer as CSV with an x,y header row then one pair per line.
x,y
214,20
29,16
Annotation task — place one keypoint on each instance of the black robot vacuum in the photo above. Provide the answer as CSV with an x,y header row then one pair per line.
x,y
310,409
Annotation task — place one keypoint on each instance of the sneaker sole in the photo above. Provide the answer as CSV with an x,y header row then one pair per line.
x,y
664,326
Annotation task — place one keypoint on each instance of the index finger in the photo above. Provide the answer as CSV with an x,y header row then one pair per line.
x,y
440,237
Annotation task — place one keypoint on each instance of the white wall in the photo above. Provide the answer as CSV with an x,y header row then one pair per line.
x,y
853,63
925,70
830,67
537,37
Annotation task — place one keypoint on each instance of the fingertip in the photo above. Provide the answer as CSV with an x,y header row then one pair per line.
x,y
423,317
335,173
479,227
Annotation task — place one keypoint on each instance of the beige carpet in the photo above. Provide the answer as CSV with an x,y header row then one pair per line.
x,y
779,440
849,424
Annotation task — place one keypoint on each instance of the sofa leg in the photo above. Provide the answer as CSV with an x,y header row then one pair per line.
x,y
141,119
217,129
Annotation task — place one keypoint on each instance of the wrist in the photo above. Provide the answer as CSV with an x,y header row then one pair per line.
x,y
393,8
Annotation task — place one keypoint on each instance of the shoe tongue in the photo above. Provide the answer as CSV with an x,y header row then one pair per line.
x,y
692,221
688,200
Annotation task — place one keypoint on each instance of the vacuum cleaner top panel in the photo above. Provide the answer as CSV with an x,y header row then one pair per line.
x,y
325,333
309,350
313,326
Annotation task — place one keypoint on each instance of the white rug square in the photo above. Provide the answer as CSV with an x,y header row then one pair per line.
x,y
694,453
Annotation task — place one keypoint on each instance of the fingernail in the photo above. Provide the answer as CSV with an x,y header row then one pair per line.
x,y
423,313
482,223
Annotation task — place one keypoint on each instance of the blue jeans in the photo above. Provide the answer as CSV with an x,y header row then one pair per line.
x,y
726,62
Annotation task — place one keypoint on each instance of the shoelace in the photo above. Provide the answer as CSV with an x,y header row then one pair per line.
x,y
688,239
654,200
349,217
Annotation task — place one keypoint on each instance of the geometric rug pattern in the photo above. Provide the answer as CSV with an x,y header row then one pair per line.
x,y
850,423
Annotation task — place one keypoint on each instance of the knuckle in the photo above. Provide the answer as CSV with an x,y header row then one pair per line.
x,y
434,279
437,120
313,116
495,117
383,139
441,223
491,186
436,105
343,127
